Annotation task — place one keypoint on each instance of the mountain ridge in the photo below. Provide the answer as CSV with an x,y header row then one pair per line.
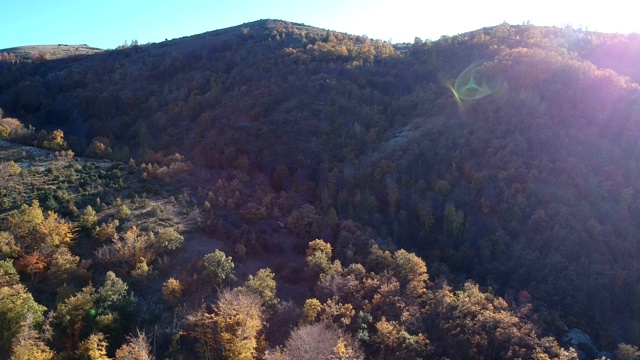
x,y
527,188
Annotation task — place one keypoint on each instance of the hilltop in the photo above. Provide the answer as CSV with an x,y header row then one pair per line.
x,y
505,156
47,52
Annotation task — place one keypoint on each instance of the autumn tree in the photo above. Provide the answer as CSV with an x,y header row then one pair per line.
x,y
93,348
54,141
13,129
471,324
201,326
106,232
29,345
16,306
379,259
35,230
319,341
280,178
9,168
24,223
100,147
172,291
133,249
239,320
408,267
394,342
31,264
56,231
334,311
318,256
8,246
61,264
310,311
232,330
136,348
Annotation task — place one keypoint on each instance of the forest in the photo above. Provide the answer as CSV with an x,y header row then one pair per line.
x,y
279,191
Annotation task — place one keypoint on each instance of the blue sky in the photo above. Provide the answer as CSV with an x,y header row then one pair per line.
x,y
109,23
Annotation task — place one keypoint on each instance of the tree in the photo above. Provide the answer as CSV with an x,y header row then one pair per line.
x,y
379,260
168,239
112,296
264,286
280,178
115,304
107,231
202,327
88,219
100,147
319,341
8,274
94,348
454,221
61,264
312,307
239,320
54,141
172,291
16,306
318,256
31,264
123,212
408,267
395,342
29,345
9,168
8,246
305,223
352,242
133,250
75,314
56,231
24,223
217,268
471,324
627,352
136,348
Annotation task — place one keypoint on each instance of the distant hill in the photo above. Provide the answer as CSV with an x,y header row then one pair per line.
x,y
49,52
521,175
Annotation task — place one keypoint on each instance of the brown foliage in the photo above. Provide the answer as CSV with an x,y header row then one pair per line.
x,y
31,264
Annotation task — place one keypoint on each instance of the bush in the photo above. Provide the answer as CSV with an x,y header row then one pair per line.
x,y
168,239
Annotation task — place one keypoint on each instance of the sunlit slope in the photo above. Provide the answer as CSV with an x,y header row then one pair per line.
x,y
523,177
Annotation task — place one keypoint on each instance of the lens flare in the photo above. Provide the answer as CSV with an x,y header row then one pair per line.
x,y
474,83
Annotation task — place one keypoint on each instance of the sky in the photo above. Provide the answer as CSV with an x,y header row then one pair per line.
x,y
107,24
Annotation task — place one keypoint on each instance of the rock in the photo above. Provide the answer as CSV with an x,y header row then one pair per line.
x,y
582,343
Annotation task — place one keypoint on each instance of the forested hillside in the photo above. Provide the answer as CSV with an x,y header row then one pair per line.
x,y
504,158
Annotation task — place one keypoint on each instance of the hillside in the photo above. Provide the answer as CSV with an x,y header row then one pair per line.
x,y
506,156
